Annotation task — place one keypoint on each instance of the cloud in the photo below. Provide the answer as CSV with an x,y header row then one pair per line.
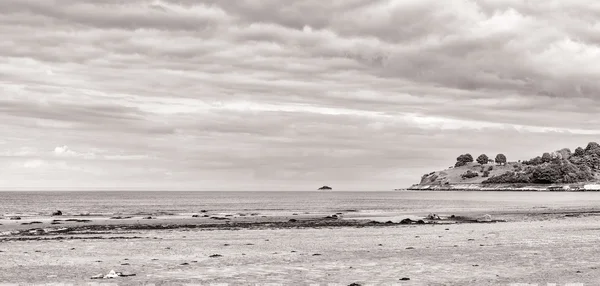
x,y
364,93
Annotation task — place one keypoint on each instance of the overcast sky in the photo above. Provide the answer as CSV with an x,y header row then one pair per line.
x,y
291,95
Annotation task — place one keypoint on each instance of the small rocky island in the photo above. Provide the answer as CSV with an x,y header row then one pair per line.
x,y
325,188
561,170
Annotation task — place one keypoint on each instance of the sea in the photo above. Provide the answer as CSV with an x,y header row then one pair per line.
x,y
176,202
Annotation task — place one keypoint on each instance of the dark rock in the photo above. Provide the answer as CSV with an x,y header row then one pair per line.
x,y
325,188
185,263
195,215
354,284
57,213
215,255
389,222
15,218
406,221
420,221
404,279
316,254
78,220
293,220
203,211
120,217
148,217
410,247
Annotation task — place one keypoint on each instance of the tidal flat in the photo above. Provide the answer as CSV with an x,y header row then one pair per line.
x,y
534,246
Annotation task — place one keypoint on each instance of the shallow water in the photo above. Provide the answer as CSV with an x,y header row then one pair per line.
x,y
43,203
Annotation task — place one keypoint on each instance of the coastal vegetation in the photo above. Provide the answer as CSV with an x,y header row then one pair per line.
x,y
558,167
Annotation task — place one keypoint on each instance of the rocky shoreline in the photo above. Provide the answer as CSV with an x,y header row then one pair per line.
x,y
507,187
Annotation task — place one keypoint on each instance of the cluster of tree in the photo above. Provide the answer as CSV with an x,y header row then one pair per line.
x,y
557,167
482,159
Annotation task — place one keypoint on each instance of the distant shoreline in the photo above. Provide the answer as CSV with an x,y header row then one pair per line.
x,y
579,187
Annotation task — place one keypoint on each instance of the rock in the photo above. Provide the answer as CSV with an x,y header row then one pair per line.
x,y
185,263
293,220
354,284
15,218
215,255
485,218
406,221
57,213
195,215
433,217
404,279
325,188
316,254
389,222
203,211
420,221
98,276
148,217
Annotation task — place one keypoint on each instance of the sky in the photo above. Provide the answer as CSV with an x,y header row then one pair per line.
x,y
287,95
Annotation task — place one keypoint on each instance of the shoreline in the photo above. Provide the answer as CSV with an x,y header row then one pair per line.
x,y
459,248
478,187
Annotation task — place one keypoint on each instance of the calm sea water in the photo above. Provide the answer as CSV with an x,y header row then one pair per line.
x,y
42,203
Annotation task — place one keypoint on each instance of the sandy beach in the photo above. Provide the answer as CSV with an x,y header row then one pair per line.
x,y
533,247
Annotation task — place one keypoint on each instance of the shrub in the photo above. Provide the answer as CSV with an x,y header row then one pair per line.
x,y
486,174
579,152
469,174
509,177
482,159
490,168
534,162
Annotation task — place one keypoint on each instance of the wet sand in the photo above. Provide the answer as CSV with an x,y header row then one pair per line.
x,y
535,247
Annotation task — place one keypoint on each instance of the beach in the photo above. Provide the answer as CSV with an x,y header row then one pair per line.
x,y
527,245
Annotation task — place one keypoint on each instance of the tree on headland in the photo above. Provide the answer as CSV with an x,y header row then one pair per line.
x,y
500,159
463,160
546,157
592,147
482,159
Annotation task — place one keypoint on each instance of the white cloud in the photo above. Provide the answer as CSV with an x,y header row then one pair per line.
x,y
353,90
